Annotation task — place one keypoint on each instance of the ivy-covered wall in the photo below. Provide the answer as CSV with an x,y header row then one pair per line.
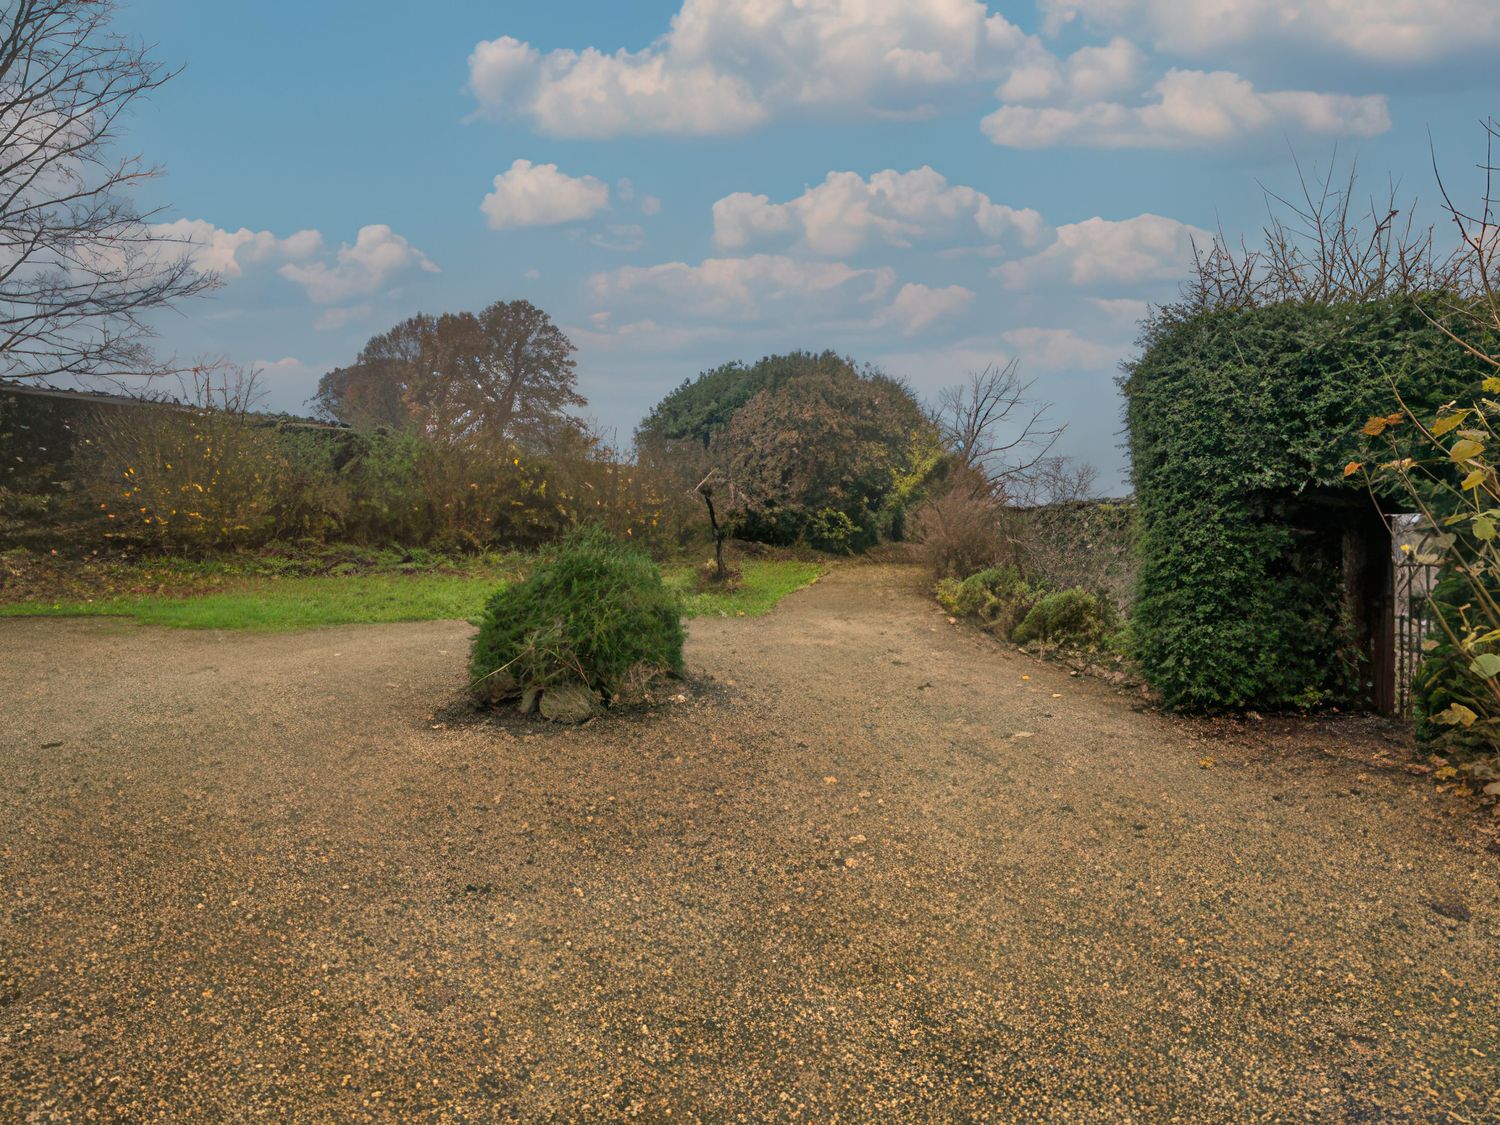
x,y
1239,420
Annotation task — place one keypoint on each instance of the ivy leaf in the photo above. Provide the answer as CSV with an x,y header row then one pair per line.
x,y
1456,715
1465,450
1484,528
1450,422
1486,665
1352,467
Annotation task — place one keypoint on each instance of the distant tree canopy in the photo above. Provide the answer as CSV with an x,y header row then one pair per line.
x,y
506,372
811,447
701,407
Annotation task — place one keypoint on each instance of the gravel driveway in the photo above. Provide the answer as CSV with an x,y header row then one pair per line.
x,y
871,868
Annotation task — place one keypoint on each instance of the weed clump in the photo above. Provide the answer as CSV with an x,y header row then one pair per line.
x,y
594,623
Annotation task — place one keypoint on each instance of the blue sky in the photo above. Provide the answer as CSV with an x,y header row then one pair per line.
x,y
928,186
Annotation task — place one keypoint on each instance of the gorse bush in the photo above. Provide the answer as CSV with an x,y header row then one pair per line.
x,y
594,617
196,479
1073,617
968,595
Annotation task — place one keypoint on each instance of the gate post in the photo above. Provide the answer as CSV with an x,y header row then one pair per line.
x,y
1369,597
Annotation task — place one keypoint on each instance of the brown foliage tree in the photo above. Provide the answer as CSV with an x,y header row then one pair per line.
x,y
830,441
505,373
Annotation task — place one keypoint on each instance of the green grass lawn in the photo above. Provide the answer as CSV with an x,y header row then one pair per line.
x,y
765,583
280,604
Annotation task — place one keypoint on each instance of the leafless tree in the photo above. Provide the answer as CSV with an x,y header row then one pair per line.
x,y
220,385
80,268
1055,480
995,431
705,489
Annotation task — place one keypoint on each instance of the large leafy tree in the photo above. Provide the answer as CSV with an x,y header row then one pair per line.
x,y
823,456
505,372
80,267
702,407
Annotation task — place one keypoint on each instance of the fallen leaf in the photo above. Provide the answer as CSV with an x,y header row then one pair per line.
x,y
1205,763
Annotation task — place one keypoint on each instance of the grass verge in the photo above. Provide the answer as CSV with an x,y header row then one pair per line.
x,y
765,582
273,603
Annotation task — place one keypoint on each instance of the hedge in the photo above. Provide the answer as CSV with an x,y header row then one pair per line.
x,y
1234,414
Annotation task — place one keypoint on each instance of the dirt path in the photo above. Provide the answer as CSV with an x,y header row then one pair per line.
x,y
869,871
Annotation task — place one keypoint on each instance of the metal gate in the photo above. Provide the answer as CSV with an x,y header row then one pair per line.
x,y
1413,582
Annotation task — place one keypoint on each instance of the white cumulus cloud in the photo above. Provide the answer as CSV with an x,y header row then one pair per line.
x,y
1088,74
918,307
227,252
1189,107
725,66
1108,252
744,289
1062,349
846,213
376,258
1407,32
539,195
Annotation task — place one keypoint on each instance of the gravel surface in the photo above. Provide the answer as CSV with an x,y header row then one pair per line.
x,y
869,867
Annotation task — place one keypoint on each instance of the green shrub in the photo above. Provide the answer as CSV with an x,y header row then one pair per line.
x,y
967,597
1068,617
999,597
594,616
833,531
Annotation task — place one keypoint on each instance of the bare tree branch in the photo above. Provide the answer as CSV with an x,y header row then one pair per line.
x,y
997,434
1322,246
80,268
